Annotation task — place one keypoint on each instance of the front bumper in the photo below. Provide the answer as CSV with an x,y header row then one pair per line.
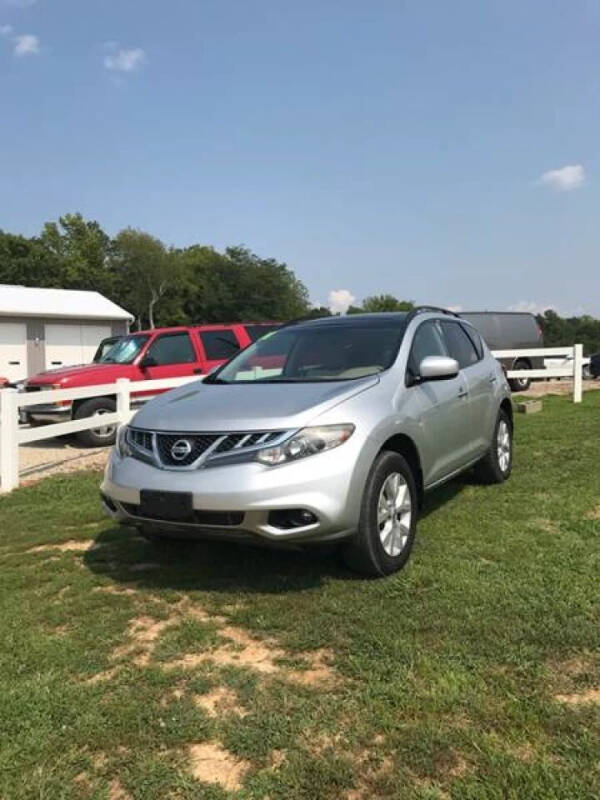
x,y
47,412
330,485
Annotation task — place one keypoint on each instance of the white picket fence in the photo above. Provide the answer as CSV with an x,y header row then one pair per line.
x,y
12,435
574,370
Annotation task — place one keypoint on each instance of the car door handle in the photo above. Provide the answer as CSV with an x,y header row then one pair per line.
x,y
199,371
462,393
493,378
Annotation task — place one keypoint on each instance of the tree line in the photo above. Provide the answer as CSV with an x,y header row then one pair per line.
x,y
159,285
163,285
564,331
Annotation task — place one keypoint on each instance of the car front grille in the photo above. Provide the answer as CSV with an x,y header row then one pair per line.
x,y
184,450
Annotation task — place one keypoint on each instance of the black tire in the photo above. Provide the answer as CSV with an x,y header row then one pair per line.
x,y
490,470
520,384
365,552
93,438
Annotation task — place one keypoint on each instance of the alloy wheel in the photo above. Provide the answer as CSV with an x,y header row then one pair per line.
x,y
394,514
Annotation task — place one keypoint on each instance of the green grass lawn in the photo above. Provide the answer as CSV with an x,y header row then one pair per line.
x,y
214,671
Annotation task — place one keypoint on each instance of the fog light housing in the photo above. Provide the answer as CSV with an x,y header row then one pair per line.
x,y
290,518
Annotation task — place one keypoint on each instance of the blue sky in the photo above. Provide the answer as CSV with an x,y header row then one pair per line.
x,y
443,152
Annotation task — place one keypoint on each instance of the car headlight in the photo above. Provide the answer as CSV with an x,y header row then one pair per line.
x,y
307,442
121,443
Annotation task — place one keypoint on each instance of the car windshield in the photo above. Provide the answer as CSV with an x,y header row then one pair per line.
x,y
125,350
303,354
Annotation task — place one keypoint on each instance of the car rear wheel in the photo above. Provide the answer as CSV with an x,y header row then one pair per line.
x,y
520,384
496,465
103,435
388,519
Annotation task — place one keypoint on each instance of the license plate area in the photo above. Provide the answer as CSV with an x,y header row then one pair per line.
x,y
176,506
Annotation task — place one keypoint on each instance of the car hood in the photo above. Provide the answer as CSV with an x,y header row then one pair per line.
x,y
101,373
245,406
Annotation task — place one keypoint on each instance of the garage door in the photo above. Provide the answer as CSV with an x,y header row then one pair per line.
x,y
67,345
13,350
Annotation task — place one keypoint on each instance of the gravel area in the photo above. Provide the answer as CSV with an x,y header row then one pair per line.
x,y
565,386
38,459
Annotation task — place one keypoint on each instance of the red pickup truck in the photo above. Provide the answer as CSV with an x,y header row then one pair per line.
x,y
146,355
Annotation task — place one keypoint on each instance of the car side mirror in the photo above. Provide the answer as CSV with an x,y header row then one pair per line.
x,y
438,368
148,361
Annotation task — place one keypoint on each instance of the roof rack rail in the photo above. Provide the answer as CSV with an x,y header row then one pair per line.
x,y
424,309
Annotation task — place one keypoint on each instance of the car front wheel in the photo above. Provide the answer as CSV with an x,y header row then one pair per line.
x,y
388,518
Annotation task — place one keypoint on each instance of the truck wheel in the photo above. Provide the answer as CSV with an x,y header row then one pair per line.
x,y
388,519
496,465
520,384
102,436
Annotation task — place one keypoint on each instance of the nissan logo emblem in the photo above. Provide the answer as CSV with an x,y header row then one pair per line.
x,y
181,450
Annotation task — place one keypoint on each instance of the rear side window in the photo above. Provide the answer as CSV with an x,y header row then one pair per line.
x,y
475,338
460,346
428,341
173,348
219,345
256,331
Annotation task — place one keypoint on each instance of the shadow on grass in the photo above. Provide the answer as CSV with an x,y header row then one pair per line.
x,y
122,554
228,567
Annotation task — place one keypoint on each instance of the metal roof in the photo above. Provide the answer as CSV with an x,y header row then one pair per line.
x,y
24,301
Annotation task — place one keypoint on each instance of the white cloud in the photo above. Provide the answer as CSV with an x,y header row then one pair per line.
x,y
564,179
124,60
531,306
26,45
340,300
5,30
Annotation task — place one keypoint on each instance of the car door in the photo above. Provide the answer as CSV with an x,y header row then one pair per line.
x,y
480,376
438,407
219,345
170,355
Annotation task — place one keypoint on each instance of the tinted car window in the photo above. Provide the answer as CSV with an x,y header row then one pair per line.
x,y
219,345
460,346
475,338
315,353
428,341
174,348
256,331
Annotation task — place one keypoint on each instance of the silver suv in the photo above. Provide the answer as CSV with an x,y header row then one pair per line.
x,y
327,430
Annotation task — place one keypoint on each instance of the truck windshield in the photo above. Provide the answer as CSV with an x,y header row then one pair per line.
x,y
125,350
305,354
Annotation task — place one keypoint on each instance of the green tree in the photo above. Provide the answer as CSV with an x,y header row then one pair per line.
x,y
79,252
145,273
386,302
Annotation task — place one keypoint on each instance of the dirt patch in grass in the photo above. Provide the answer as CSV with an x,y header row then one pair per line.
x,y
117,792
143,635
589,696
72,546
211,763
243,650
594,513
220,701
100,677
319,673
118,590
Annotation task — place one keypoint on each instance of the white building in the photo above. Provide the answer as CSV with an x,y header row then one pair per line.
x,y
51,328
